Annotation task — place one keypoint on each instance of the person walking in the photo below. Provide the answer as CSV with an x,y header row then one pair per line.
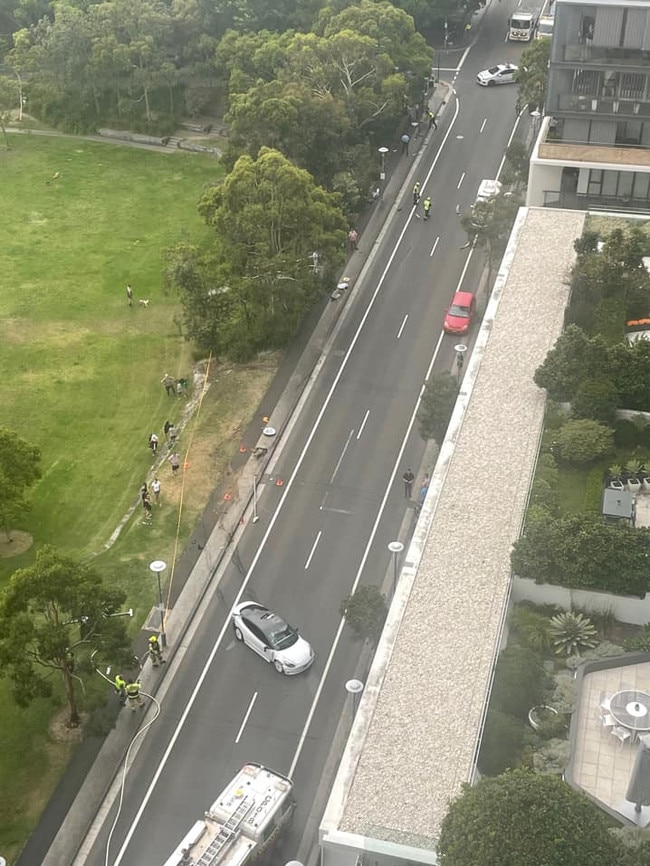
x,y
155,489
133,696
148,513
427,207
155,652
432,120
416,193
174,459
167,427
120,688
153,444
144,491
129,295
405,143
170,386
353,240
408,478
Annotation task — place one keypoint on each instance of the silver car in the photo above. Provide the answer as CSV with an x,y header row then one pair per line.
x,y
502,73
271,637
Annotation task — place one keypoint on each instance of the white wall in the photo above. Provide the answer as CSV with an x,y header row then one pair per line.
x,y
541,176
625,608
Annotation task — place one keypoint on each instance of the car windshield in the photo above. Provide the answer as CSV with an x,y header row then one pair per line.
x,y
279,635
546,29
460,311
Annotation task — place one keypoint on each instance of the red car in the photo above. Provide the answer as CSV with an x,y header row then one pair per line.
x,y
458,317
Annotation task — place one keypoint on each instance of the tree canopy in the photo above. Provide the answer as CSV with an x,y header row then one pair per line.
x,y
524,819
52,615
532,76
19,469
438,401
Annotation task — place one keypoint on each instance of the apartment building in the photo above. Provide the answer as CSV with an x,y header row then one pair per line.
x,y
593,145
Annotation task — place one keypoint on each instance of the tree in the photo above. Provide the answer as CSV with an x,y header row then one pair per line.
x,y
573,359
519,682
9,93
532,76
52,615
501,744
19,469
489,224
365,612
524,819
584,440
437,405
596,399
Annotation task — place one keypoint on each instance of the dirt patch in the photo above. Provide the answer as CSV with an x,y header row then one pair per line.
x,y
17,542
61,732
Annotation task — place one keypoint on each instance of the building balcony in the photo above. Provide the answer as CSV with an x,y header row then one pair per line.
x,y
627,156
583,201
606,57
600,106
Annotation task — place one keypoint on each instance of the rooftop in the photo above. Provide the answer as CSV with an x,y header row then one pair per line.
x,y
416,731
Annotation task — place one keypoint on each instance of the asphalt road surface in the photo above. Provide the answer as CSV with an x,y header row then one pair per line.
x,y
341,504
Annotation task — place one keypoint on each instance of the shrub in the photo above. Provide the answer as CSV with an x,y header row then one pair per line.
x,y
596,399
502,743
572,632
533,628
640,641
626,434
583,441
365,612
519,682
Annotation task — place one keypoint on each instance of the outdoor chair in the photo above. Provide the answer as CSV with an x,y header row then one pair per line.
x,y
605,703
608,721
621,734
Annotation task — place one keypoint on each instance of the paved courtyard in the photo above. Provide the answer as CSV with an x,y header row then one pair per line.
x,y
602,766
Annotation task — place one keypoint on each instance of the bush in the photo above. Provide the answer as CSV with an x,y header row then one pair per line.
x,y
626,434
640,641
365,612
502,743
596,399
583,441
519,682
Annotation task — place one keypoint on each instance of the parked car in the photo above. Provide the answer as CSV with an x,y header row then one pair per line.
x,y
271,637
458,317
502,73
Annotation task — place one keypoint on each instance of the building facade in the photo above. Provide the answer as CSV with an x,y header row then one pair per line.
x,y
593,146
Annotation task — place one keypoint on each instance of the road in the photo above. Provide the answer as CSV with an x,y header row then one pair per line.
x,y
342,502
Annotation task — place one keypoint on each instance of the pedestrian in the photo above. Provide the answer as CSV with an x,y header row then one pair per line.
x,y
408,478
432,120
416,193
144,492
427,207
423,489
175,462
155,652
166,428
129,295
169,384
120,688
353,240
405,143
153,443
133,695
148,513
155,487
172,436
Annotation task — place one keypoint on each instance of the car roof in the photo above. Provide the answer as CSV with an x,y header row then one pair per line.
x,y
463,298
262,615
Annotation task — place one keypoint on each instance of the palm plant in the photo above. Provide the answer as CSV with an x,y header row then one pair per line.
x,y
572,632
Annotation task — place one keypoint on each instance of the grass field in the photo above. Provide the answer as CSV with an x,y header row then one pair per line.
x,y
81,378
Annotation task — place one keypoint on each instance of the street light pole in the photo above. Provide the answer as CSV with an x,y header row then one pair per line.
x,y
157,567
460,350
395,547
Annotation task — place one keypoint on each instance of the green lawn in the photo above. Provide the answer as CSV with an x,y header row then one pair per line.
x,y
81,370
81,378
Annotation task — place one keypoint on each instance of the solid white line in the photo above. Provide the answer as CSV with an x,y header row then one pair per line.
x,y
512,135
363,424
313,549
248,712
399,333
462,178
483,124
340,460
362,565
335,510
274,518
433,248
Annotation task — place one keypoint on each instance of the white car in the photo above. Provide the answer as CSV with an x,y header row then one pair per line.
x,y
271,637
503,73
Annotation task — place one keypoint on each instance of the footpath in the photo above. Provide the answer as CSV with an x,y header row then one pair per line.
x,y
58,840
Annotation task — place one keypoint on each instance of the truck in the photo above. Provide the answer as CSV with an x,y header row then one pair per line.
x,y
244,824
521,26
545,27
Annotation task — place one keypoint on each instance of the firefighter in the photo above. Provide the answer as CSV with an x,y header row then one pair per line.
x,y
133,695
416,193
155,652
427,207
120,688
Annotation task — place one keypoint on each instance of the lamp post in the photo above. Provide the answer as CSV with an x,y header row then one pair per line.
x,y
382,162
395,547
354,688
536,115
157,567
460,350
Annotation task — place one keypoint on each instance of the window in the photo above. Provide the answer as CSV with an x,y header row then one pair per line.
x,y
586,82
595,182
641,185
628,133
632,85
625,183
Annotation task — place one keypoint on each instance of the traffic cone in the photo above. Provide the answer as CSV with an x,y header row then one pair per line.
x,y
279,482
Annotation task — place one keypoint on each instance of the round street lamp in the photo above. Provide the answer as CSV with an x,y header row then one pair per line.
x,y
157,567
382,162
395,547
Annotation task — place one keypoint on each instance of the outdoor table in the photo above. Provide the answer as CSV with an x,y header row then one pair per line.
x,y
631,709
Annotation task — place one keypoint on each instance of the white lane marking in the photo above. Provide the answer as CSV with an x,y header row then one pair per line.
x,y
248,712
340,460
363,424
274,518
505,152
435,244
483,124
335,510
399,333
462,178
362,565
313,549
